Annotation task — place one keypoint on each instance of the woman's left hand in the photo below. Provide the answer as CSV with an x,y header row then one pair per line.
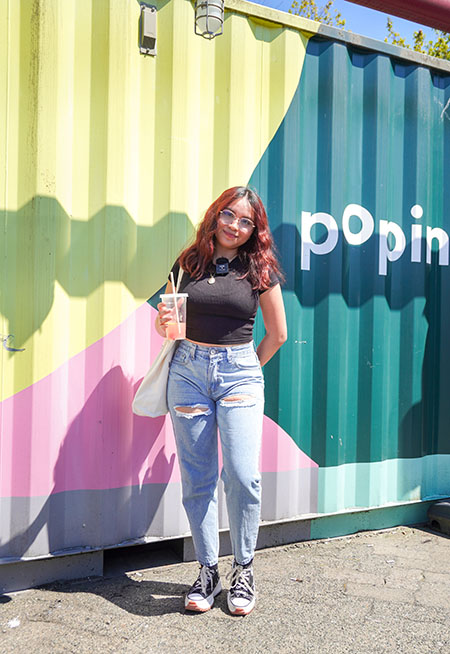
x,y
274,316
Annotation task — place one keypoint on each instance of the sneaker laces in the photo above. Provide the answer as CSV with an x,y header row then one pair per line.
x,y
240,581
201,584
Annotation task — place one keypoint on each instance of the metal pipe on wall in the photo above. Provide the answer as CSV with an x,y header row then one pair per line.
x,y
434,13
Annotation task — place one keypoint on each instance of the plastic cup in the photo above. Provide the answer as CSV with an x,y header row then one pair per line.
x,y
177,303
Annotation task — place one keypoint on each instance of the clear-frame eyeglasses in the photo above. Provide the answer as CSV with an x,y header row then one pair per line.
x,y
228,218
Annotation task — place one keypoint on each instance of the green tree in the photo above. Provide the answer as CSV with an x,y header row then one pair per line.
x,y
439,48
309,9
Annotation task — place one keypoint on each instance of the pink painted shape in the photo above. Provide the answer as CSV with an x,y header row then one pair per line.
x,y
279,452
74,429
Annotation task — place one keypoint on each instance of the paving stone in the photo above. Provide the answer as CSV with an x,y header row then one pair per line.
x,y
375,592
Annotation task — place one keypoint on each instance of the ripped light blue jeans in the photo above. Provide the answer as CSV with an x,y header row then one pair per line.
x,y
210,388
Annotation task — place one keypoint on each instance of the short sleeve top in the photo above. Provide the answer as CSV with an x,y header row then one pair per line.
x,y
222,312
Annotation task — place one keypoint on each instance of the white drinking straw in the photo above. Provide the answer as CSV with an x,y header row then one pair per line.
x,y
174,291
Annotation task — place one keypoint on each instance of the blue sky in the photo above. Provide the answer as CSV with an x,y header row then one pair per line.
x,y
361,20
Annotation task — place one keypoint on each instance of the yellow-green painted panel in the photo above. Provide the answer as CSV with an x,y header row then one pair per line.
x,y
112,156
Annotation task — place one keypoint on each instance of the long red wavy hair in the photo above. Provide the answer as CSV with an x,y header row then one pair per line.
x,y
257,254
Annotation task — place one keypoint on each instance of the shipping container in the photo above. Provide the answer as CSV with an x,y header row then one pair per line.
x,y
109,159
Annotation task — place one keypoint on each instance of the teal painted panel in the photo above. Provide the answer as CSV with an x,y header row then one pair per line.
x,y
353,485
350,523
365,374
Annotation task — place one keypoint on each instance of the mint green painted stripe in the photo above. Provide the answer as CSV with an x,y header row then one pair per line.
x,y
383,482
341,524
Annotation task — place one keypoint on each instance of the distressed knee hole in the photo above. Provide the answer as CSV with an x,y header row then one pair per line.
x,y
238,400
192,411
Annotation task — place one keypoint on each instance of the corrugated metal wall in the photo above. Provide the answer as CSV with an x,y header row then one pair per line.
x,y
362,384
111,158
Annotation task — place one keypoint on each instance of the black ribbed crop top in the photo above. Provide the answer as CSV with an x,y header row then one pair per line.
x,y
224,312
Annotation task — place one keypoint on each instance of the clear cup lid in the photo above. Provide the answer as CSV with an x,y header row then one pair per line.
x,y
174,295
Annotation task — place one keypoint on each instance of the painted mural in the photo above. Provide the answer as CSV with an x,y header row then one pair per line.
x,y
354,180
112,158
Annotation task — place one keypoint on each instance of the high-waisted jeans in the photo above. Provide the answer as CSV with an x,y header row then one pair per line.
x,y
210,388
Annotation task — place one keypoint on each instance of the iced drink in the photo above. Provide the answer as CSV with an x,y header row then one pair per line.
x,y
172,331
177,303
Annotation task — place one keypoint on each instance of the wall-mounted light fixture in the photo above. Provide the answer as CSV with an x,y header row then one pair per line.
x,y
209,16
147,30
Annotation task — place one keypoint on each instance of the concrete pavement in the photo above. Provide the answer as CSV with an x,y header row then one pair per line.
x,y
376,592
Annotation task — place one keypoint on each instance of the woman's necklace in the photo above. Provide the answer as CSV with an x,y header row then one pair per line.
x,y
222,268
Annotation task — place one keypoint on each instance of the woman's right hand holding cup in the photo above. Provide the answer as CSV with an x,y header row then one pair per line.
x,y
164,314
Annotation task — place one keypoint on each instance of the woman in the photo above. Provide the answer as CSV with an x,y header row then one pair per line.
x,y
215,381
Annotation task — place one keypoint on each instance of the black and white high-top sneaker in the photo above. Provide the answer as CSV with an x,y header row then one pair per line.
x,y
200,596
241,596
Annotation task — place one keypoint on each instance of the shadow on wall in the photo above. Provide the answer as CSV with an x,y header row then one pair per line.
x,y
98,496
44,245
